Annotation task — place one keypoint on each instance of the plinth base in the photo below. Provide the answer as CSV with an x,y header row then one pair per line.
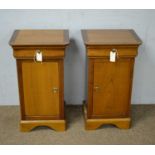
x,y
92,124
28,125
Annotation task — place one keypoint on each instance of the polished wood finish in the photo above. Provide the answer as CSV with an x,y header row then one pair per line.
x,y
57,125
41,84
30,53
37,87
104,51
94,123
109,83
110,37
30,38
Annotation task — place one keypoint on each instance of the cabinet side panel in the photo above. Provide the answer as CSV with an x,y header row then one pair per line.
x,y
90,87
61,86
20,87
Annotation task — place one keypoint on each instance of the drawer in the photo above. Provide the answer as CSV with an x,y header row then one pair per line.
x,y
31,53
105,52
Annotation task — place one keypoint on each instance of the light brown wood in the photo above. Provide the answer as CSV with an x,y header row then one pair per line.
x,y
45,38
109,83
111,98
30,53
57,125
125,52
38,83
41,86
110,37
92,124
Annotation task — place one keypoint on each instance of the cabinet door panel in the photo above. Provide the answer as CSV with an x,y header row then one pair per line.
x,y
39,79
112,84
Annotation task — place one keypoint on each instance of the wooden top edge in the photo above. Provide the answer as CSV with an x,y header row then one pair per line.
x,y
139,41
87,43
13,37
16,32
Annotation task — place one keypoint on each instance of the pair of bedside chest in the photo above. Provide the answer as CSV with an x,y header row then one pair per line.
x,y
40,66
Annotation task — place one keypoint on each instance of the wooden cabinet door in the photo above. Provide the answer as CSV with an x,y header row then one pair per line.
x,y
40,84
112,87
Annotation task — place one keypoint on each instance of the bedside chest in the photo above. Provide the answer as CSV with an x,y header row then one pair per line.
x,y
40,66
111,55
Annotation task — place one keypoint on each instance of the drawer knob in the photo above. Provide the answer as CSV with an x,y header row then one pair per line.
x,y
55,90
96,88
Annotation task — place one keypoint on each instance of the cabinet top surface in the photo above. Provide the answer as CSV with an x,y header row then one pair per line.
x,y
110,37
40,38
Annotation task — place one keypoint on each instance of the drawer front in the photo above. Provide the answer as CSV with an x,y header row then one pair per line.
x,y
105,52
31,53
112,88
40,89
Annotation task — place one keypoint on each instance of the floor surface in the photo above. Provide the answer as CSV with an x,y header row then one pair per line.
x,y
141,132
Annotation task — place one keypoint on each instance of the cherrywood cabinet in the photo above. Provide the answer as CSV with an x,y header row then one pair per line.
x,y
41,83
109,81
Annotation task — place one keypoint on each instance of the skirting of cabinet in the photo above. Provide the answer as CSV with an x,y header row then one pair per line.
x,y
92,124
57,125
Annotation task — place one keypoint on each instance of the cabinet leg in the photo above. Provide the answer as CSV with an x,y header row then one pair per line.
x,y
26,127
123,124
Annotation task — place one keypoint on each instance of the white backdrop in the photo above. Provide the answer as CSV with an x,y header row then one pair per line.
x,y
142,21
